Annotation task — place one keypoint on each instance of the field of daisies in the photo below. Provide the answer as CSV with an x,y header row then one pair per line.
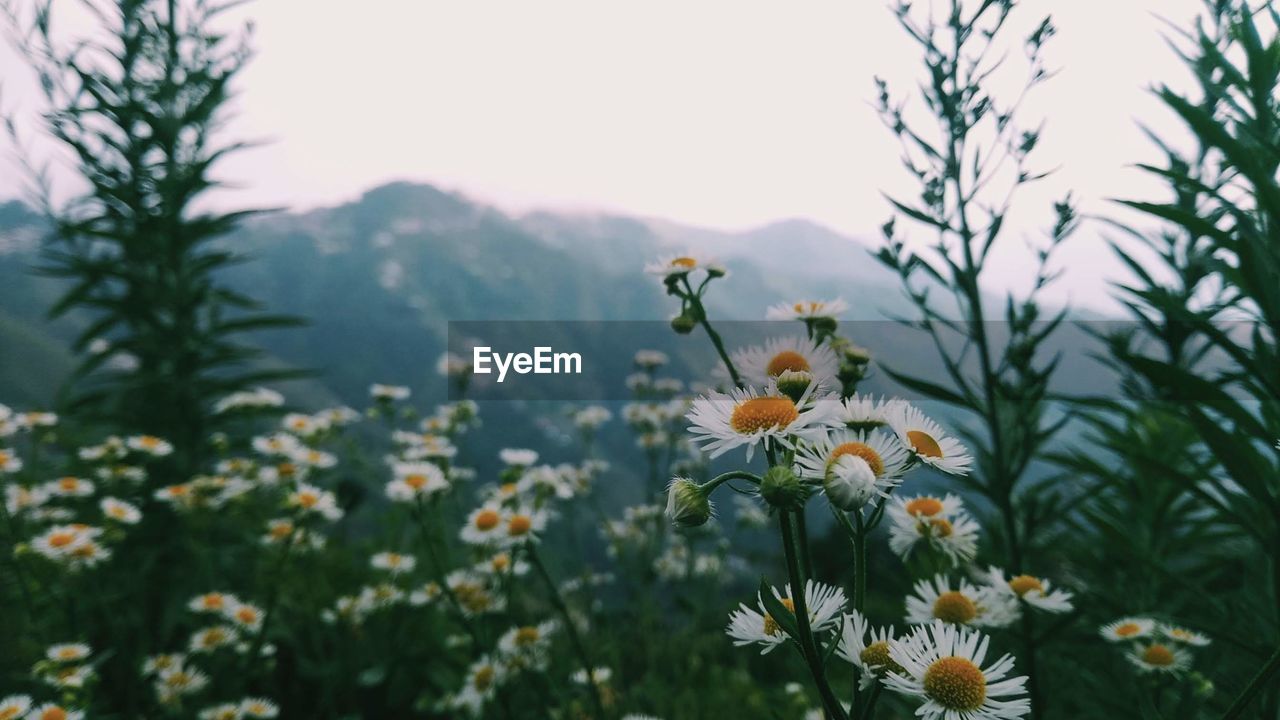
x,y
991,540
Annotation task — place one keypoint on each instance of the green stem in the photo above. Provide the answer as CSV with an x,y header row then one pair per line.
x,y
273,601
576,640
437,569
1255,686
696,302
860,563
806,558
808,648
869,711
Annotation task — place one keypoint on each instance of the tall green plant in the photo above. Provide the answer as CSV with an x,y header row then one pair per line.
x,y
971,157
138,105
1222,218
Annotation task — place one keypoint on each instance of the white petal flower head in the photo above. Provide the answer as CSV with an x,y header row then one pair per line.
x,y
1183,635
939,523
1036,591
864,412
927,441
943,666
53,711
963,603
518,457
69,487
416,480
1159,658
392,562
746,418
484,526
755,626
120,511
807,310
676,266
309,499
854,454
388,393
149,445
14,706
761,365
867,649
9,461
68,652
1128,629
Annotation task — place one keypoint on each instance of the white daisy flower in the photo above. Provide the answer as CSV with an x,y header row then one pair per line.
x,y
940,523
120,511
875,451
248,399
35,419
69,677
527,647
483,526
173,682
591,417
212,638
259,708
14,706
864,412
310,457
962,604
388,393
245,615
149,445
1183,635
1128,629
672,266
212,602
807,310
19,498
309,499
68,652
66,542
523,525
744,417
942,665
650,359
338,416
415,480
54,711
926,439
225,711
282,444
1159,658
304,425
483,678
394,563
518,457
9,462
452,365
1037,592
156,664
760,365
69,487
748,626
867,649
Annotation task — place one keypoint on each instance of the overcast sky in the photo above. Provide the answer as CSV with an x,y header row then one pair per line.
x,y
726,114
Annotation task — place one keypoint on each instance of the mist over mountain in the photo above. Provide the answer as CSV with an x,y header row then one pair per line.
x,y
378,279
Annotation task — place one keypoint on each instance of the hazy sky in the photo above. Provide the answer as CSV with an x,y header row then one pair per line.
x,y
726,114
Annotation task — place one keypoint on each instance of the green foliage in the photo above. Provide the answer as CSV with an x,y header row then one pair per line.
x,y
138,106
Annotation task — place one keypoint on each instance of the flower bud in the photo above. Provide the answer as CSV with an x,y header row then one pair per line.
x,y
687,503
716,271
782,489
794,383
850,483
683,324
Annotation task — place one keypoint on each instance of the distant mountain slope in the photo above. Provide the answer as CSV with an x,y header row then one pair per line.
x,y
380,277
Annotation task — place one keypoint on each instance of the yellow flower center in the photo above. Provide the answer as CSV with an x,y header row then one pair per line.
x,y
1158,655
771,626
763,413
861,450
787,360
519,525
924,443
68,484
508,489
148,441
684,262
286,469
956,684
8,713
68,653
1128,629
935,527
246,615
500,561
487,520
417,482
53,713
4,457
876,655
1024,584
212,601
926,506
281,530
214,636
483,678
60,540
527,635
954,607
